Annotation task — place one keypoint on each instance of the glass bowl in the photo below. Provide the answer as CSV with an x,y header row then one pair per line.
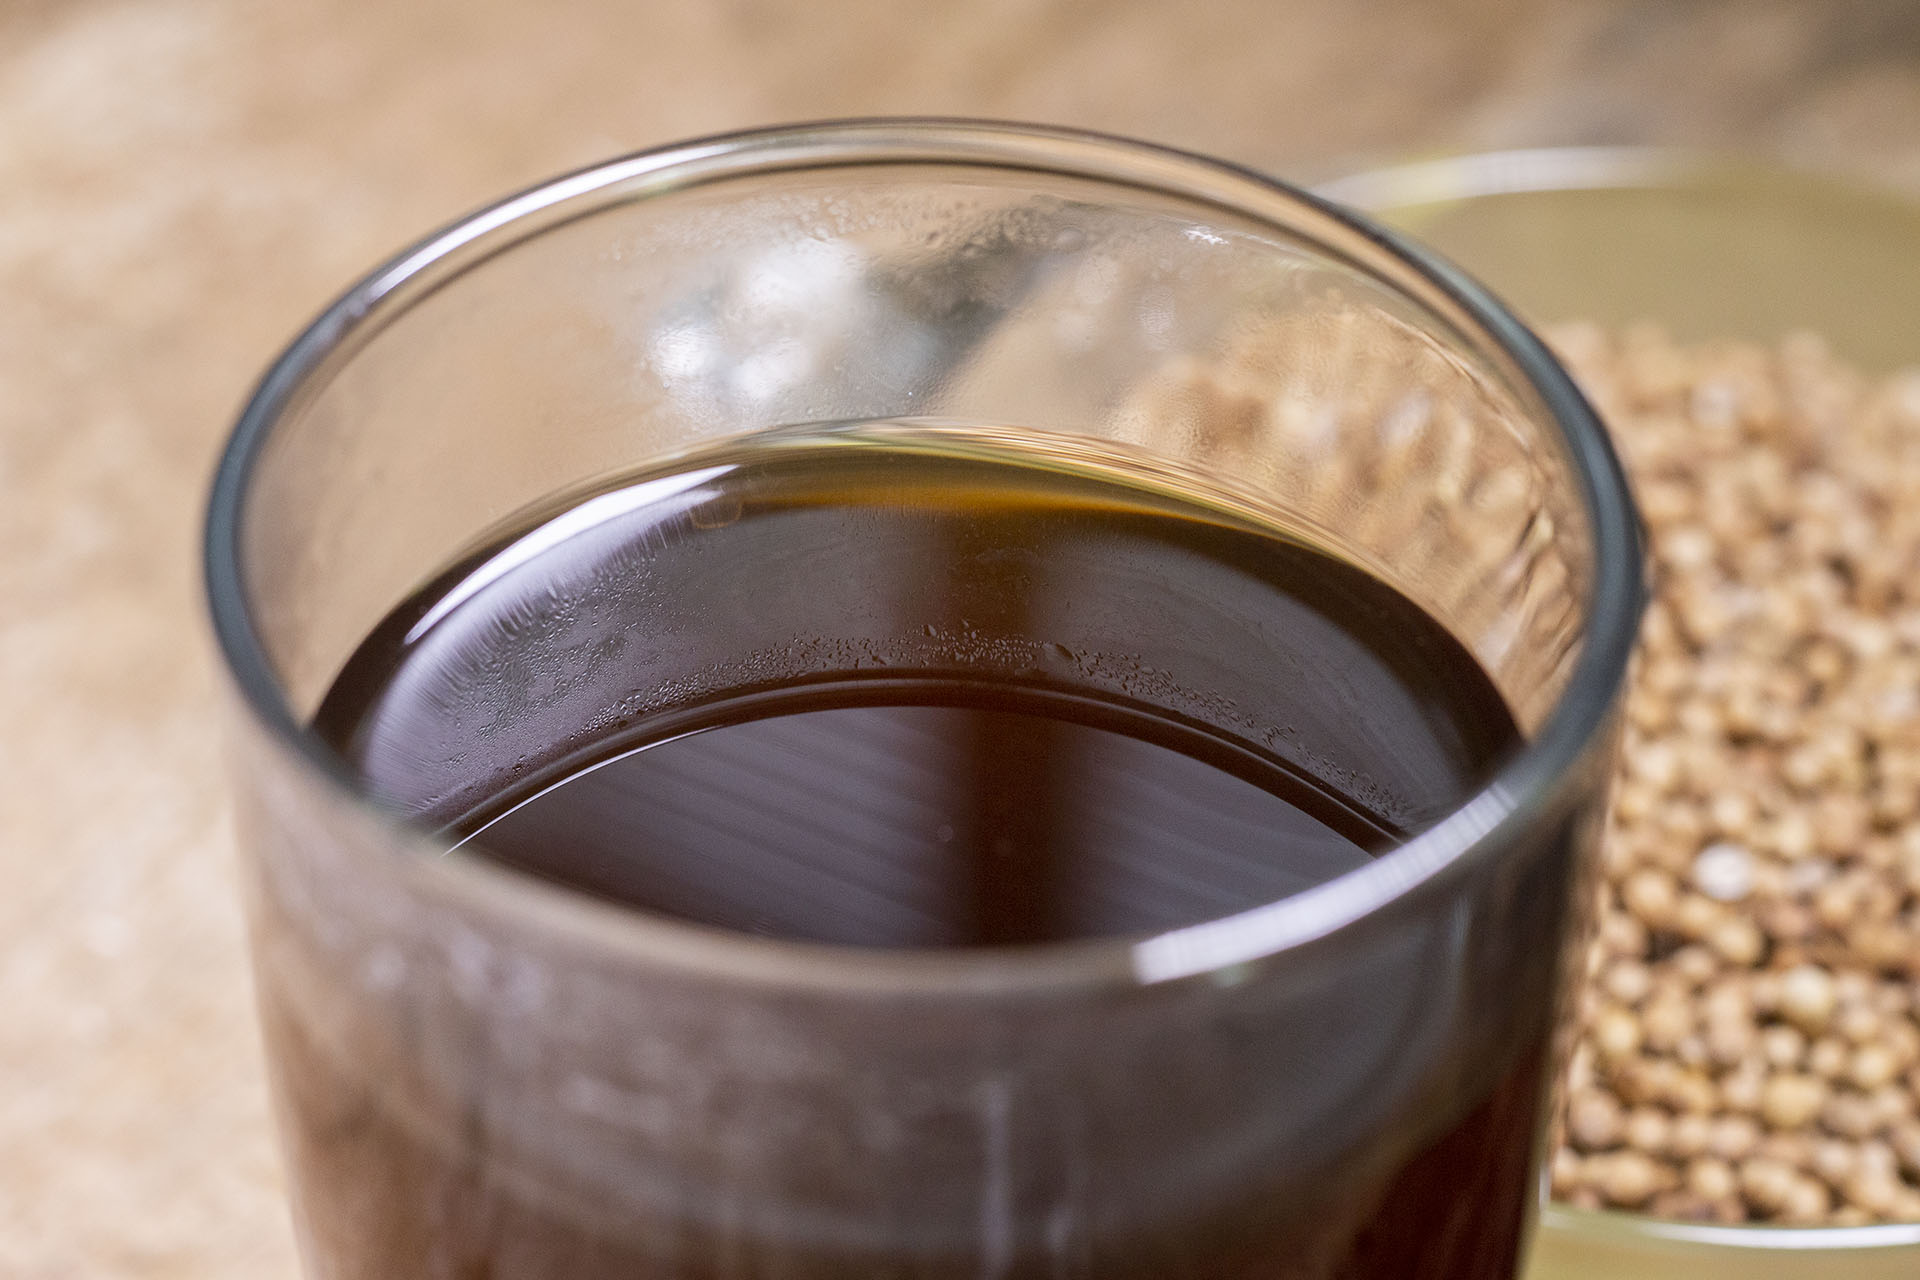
x,y
1710,247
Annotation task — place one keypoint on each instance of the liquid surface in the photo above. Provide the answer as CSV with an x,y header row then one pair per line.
x,y
998,818
1030,701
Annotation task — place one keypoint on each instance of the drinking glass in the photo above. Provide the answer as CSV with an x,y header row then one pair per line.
x,y
480,1073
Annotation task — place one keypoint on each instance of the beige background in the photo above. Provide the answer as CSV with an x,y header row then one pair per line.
x,y
183,182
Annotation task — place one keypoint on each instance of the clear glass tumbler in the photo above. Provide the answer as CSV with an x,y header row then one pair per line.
x,y
481,1073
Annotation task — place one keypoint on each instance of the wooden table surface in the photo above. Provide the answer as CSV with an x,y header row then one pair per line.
x,y
183,182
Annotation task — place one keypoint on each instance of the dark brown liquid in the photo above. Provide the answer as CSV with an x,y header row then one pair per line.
x,y
985,783
841,688
934,813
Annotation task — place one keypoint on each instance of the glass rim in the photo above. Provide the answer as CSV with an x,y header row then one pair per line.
x,y
1522,791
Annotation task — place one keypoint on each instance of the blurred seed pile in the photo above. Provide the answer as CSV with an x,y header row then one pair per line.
x,y
1750,1030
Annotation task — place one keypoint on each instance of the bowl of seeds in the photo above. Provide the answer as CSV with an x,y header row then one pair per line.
x,y
1742,1097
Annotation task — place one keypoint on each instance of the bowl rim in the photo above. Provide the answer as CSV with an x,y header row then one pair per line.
x,y
1687,1239
1472,175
